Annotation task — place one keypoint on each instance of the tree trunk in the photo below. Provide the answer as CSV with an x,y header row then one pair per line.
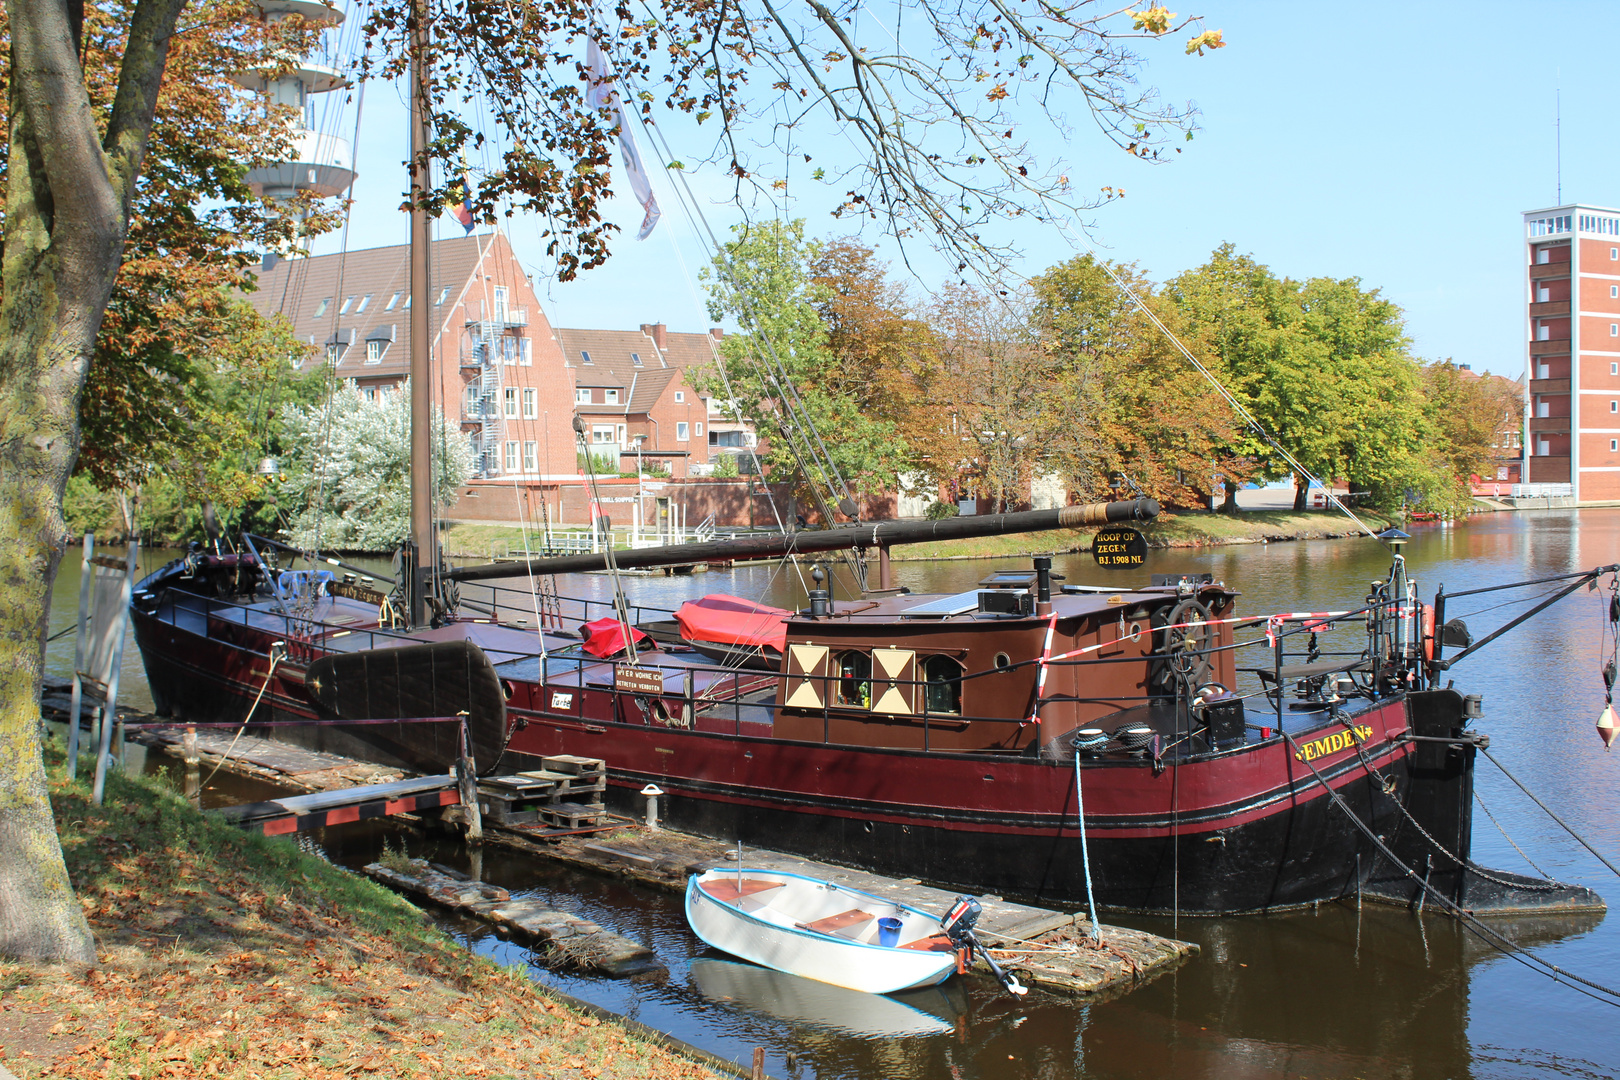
x,y
1302,486
67,207
1229,505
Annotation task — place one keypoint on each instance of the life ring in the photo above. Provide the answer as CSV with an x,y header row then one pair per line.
x,y
1426,632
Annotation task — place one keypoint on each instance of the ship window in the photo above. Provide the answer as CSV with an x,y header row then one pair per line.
x,y
942,685
854,679
1003,661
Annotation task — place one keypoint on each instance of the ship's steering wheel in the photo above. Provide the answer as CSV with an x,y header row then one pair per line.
x,y
1187,639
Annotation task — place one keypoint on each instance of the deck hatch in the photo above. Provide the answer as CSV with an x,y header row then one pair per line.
x,y
945,606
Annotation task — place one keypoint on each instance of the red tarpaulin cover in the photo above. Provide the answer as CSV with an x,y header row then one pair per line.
x,y
731,620
604,637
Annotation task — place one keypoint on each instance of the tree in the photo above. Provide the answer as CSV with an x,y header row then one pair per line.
x,y
781,375
1323,367
1478,417
1149,414
940,153
349,468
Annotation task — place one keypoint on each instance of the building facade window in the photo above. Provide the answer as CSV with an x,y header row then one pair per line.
x,y
528,403
602,433
332,353
374,351
509,351
1614,329
619,430
582,395
473,400
1614,367
509,399
697,429
610,396
512,456
1614,406
1614,444
531,457
680,397
500,303
526,353
1614,292
369,393
681,432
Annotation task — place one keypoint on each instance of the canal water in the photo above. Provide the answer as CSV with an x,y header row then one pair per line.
x,y
1338,992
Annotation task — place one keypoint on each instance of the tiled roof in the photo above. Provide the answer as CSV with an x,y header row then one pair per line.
x,y
613,355
312,294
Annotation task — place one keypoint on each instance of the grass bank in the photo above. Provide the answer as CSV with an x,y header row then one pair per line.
x,y
230,955
467,541
1191,530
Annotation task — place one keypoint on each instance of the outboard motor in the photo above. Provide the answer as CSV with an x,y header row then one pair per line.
x,y
958,924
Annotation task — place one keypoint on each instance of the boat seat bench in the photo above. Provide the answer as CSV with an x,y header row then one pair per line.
x,y
728,890
836,924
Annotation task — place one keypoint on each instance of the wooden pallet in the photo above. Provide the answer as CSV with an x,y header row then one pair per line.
x,y
563,815
566,783
583,767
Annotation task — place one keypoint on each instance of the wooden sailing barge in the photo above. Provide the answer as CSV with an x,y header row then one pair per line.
x,y
936,737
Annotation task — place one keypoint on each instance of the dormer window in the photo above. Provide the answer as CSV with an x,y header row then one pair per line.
x,y
610,397
584,357
582,395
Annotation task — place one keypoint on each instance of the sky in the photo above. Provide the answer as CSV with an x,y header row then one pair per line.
x,y
1394,143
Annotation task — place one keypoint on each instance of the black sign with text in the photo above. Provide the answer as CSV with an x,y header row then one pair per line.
x,y
1119,546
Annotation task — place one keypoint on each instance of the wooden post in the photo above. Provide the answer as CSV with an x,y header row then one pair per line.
x,y
87,572
467,783
188,750
759,1063
885,571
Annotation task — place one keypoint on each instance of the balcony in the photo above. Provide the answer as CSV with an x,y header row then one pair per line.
x,y
1555,424
1549,386
322,164
1538,271
1549,469
497,317
1549,307
477,414
1554,347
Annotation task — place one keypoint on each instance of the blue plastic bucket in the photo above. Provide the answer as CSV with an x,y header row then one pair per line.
x,y
889,932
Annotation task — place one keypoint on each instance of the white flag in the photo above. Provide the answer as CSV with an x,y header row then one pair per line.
x,y
602,95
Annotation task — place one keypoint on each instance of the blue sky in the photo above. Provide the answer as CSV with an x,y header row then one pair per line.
x,y
1396,143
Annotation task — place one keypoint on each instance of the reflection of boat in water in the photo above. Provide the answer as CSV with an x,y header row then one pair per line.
x,y
780,996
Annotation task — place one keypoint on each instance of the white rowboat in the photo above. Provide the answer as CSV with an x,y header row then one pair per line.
x,y
818,929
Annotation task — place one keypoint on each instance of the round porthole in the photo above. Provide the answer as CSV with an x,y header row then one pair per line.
x,y
1003,661
1136,631
506,690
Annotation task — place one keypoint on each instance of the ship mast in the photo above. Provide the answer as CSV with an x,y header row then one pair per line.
x,y
420,547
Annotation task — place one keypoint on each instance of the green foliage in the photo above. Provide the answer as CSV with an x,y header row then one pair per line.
x,y
783,377
348,469
1324,366
939,511
725,466
600,464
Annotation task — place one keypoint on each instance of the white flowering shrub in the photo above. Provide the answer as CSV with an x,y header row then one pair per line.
x,y
348,484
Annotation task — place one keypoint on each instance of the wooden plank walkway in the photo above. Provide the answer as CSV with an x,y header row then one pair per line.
x,y
300,813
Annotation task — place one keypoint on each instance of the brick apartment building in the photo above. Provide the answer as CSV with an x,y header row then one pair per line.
x,y
511,380
1573,364
495,363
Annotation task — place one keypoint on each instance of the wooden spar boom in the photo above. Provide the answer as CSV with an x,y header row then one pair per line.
x,y
776,545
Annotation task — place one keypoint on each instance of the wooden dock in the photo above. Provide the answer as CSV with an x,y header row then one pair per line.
x,y
1050,949
301,813
1053,950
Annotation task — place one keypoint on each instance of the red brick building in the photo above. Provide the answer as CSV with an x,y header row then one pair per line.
x,y
495,362
1573,362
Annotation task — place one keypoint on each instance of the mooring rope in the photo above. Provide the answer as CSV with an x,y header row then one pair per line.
x,y
1085,857
1579,839
1497,941
275,658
